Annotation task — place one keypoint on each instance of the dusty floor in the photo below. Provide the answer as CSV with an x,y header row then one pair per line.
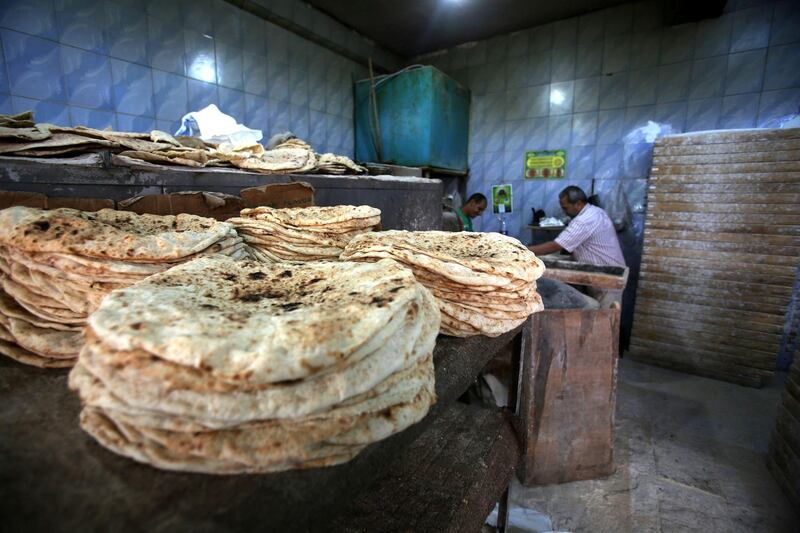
x,y
690,455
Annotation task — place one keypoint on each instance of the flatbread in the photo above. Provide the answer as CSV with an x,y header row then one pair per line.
x,y
109,234
185,314
312,362
484,283
315,215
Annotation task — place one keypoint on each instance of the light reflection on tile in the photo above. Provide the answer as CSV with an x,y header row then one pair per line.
x,y
200,57
88,78
51,112
34,66
34,17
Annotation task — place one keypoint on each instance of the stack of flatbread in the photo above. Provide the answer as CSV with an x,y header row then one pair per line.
x,y
485,283
21,136
231,367
303,233
56,266
337,164
291,157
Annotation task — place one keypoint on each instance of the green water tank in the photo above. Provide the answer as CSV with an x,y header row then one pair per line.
x,y
423,116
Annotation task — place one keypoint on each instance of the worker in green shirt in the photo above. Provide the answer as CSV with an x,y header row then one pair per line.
x,y
475,206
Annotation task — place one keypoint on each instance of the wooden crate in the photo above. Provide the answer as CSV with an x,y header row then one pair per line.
x,y
568,395
722,241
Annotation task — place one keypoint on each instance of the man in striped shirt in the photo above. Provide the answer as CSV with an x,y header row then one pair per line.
x,y
590,236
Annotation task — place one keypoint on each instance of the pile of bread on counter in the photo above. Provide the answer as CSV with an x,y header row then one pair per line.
x,y
280,339
21,136
56,266
305,234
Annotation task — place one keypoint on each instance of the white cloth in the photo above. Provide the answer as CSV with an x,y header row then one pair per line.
x,y
591,238
214,126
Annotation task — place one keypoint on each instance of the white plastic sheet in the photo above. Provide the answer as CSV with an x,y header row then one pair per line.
x,y
214,126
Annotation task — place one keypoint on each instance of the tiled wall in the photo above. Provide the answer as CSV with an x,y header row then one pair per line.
x,y
615,70
137,65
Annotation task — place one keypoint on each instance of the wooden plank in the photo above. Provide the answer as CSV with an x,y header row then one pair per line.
x,y
752,187
570,416
726,168
746,248
663,221
750,320
775,156
760,300
752,260
43,450
743,199
689,207
698,366
670,297
447,480
604,277
689,281
729,136
728,218
764,176
788,486
698,356
592,279
457,364
725,333
793,385
739,349
789,425
667,313
703,236
722,241
705,270
784,463
726,148
710,267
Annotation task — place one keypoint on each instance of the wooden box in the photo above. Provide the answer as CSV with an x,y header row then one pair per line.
x,y
567,395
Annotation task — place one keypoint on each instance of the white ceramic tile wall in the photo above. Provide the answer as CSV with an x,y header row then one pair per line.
x,y
141,65
613,71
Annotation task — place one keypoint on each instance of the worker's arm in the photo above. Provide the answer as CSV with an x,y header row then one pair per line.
x,y
545,248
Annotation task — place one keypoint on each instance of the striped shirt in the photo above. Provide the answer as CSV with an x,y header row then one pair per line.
x,y
591,238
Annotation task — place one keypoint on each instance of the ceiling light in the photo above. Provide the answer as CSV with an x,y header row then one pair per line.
x,y
557,97
202,68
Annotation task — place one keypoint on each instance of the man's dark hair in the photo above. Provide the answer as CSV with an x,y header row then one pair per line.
x,y
573,194
477,198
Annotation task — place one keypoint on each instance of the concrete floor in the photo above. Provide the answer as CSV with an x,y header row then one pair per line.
x,y
690,455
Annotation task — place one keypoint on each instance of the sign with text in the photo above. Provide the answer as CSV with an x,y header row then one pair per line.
x,y
546,164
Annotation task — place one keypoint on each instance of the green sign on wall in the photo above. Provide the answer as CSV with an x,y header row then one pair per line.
x,y
501,198
546,164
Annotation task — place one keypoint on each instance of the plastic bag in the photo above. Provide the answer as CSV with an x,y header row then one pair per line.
x,y
616,205
214,126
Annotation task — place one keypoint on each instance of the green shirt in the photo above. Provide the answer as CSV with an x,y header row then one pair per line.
x,y
465,220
